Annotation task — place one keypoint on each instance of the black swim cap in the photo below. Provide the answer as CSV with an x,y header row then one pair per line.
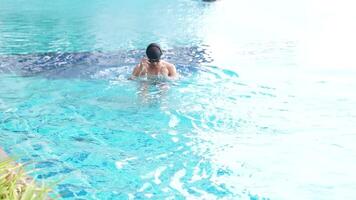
x,y
154,52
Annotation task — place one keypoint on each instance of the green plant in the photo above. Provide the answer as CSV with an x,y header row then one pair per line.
x,y
16,184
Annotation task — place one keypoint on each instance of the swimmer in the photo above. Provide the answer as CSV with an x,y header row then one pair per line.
x,y
153,66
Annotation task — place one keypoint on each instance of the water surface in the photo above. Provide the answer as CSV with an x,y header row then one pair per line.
x,y
256,113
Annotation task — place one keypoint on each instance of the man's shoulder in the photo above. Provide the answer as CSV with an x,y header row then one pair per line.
x,y
171,68
167,64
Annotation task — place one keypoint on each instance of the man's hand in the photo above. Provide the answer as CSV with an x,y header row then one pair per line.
x,y
137,70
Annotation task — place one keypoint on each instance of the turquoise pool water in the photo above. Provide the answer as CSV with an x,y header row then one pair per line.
x,y
250,118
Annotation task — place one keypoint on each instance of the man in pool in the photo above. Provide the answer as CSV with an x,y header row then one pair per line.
x,y
153,66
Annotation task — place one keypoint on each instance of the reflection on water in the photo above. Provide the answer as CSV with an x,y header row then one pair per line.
x,y
211,134
153,92
71,26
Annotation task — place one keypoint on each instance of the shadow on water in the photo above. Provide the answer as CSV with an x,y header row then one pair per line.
x,y
87,65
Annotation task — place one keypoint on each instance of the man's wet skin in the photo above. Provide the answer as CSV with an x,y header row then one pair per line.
x,y
153,66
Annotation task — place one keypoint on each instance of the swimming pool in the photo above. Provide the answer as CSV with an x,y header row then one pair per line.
x,y
245,121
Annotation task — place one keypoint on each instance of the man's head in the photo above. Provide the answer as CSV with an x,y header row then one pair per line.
x,y
154,52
